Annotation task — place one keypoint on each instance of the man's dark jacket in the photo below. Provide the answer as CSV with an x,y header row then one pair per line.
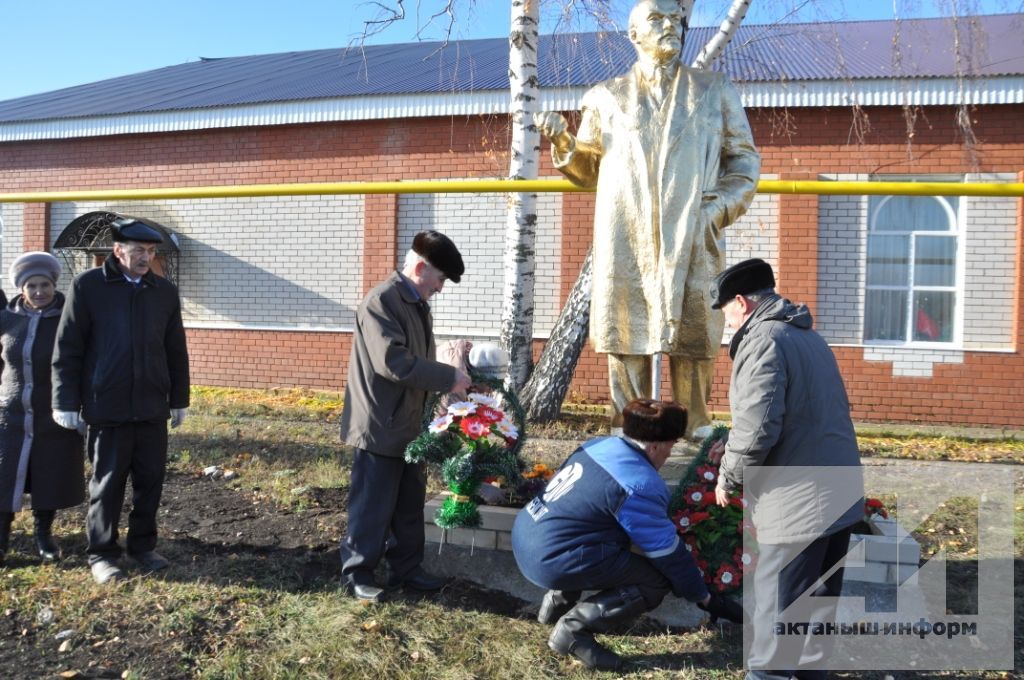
x,y
121,354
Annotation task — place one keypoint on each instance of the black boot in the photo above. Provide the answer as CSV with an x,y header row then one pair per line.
x,y
556,604
48,548
5,533
574,632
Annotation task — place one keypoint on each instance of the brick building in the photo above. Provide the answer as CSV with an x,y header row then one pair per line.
x,y
920,298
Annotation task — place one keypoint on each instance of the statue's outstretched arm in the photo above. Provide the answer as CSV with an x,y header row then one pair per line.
x,y
576,157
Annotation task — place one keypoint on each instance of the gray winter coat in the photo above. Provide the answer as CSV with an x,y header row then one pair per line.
x,y
391,370
37,456
790,410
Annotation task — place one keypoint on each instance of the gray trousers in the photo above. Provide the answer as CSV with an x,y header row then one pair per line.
x,y
783,574
138,450
385,501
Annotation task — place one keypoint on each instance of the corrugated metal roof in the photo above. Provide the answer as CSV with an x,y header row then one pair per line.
x,y
778,54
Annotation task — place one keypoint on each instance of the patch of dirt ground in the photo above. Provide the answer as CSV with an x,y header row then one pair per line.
x,y
209,530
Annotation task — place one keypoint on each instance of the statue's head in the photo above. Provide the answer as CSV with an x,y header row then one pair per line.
x,y
657,28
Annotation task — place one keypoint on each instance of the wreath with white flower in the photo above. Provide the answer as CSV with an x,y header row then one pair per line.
x,y
471,441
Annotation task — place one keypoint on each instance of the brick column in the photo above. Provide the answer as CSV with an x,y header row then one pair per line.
x,y
380,238
797,271
1018,308
36,232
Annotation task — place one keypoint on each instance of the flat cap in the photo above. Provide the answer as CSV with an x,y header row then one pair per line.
x,y
742,278
36,263
438,250
647,420
128,229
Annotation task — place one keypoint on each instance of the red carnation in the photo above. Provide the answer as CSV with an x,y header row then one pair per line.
x,y
695,495
727,577
707,473
698,517
489,414
475,427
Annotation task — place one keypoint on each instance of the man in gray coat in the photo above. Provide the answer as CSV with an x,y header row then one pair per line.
x,y
389,375
790,413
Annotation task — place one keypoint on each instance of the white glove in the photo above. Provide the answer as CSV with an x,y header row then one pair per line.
x,y
68,419
178,416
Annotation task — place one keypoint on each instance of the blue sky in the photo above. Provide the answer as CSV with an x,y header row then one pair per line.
x,y
51,44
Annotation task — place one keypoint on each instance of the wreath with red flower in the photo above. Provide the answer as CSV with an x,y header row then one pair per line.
x,y
714,535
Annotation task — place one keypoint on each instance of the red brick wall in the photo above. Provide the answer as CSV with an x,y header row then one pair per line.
x,y
242,358
36,235
799,143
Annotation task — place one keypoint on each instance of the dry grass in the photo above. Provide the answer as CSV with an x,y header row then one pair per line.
x,y
239,611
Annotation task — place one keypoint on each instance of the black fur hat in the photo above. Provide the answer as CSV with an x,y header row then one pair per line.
x,y
647,420
742,278
130,229
438,250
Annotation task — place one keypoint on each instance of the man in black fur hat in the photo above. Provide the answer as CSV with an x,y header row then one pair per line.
x,y
389,375
602,524
789,414
121,366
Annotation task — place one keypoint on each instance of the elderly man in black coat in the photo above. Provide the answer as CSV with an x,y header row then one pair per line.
x,y
121,365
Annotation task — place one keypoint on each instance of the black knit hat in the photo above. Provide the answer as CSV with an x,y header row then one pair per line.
x,y
438,250
742,278
130,229
647,420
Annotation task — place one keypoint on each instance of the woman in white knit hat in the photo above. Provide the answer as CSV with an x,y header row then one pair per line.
x,y
37,456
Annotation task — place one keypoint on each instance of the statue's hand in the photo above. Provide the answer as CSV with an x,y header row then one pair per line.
x,y
552,125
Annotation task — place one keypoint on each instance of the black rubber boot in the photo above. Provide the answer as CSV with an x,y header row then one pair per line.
x,y
48,548
574,632
556,604
5,533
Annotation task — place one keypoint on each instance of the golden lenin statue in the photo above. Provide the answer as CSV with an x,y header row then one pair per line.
x,y
670,151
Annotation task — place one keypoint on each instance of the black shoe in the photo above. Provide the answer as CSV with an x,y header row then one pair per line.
x,y
555,605
574,632
365,592
47,547
720,606
418,579
151,560
5,533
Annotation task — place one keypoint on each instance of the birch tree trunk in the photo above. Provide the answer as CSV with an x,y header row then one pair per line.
x,y
520,229
726,31
544,393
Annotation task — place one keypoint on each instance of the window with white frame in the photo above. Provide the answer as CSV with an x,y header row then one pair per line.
x,y
912,269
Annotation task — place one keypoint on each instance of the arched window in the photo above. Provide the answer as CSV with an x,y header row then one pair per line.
x,y
912,265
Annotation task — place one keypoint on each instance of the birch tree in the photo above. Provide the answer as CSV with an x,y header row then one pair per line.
x,y
521,223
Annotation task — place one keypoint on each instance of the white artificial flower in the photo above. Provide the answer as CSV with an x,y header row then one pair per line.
x,y
727,577
462,408
484,399
697,496
507,429
684,522
440,424
709,475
